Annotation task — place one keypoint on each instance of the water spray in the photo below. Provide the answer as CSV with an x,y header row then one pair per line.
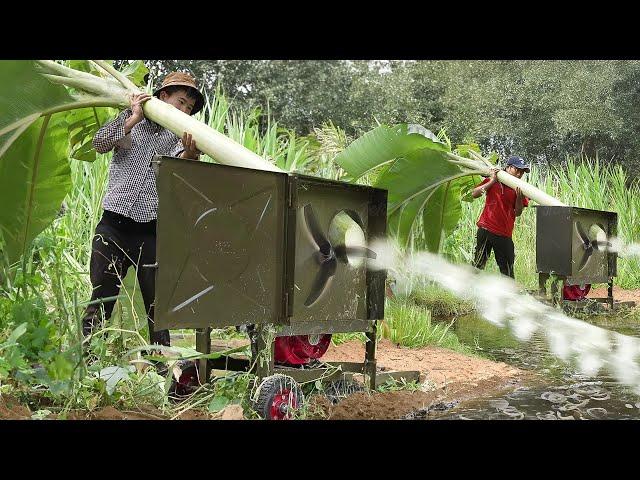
x,y
502,302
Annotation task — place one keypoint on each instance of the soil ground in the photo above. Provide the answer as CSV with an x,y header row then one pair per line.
x,y
447,377
619,294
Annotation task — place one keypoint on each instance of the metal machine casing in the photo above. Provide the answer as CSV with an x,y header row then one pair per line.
x,y
561,250
233,248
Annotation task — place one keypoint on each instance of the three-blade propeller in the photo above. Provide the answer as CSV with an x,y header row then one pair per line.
x,y
589,244
327,256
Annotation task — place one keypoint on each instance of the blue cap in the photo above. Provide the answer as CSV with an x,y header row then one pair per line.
x,y
518,162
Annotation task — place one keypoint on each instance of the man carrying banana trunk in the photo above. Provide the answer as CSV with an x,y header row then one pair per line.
x,y
126,234
495,225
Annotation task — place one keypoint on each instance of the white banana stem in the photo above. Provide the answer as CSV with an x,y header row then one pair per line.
x,y
218,146
528,190
482,166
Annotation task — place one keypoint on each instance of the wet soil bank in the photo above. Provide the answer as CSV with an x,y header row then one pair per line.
x,y
619,294
447,378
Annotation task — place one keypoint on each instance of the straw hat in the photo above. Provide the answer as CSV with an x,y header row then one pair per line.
x,y
184,80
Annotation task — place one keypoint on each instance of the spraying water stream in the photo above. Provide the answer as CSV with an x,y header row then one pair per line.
x,y
610,356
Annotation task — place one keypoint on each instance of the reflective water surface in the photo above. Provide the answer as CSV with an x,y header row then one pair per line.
x,y
556,392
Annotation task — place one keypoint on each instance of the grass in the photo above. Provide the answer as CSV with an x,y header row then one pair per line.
x,y
410,325
440,302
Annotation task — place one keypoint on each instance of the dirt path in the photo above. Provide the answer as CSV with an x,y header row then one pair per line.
x,y
619,294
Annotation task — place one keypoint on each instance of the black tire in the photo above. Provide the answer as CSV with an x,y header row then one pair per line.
x,y
340,389
278,396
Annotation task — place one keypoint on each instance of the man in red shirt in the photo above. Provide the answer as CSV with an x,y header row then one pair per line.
x,y
496,222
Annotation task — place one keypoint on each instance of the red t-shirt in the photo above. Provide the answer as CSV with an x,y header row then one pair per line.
x,y
499,215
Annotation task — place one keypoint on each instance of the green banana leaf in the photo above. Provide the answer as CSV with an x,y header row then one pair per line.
x,y
384,144
421,181
35,177
442,213
136,72
83,123
24,95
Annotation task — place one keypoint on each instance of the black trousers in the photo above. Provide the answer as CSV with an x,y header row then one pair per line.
x,y
119,243
502,248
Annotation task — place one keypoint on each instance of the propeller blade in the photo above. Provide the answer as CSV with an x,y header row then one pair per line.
x,y
360,252
315,230
327,270
603,244
585,259
582,234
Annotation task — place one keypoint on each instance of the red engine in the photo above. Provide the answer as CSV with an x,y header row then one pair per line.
x,y
300,349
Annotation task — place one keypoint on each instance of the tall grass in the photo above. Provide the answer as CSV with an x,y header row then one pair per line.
x,y
410,325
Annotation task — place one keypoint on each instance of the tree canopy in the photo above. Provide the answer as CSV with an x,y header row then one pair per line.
x,y
543,110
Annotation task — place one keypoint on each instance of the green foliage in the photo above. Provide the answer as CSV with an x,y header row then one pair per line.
x,y
440,302
24,96
36,178
421,181
82,125
410,325
541,110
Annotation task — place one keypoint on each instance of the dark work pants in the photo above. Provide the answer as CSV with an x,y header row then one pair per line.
x,y
119,243
502,247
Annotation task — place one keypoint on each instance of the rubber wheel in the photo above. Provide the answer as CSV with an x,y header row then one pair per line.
x,y
278,397
340,389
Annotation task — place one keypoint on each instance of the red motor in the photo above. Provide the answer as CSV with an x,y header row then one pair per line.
x,y
575,292
300,349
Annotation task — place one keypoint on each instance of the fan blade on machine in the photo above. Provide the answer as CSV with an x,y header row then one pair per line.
x,y
583,236
315,230
585,258
603,244
327,270
358,252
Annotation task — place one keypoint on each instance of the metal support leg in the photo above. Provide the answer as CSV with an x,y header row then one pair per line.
x,y
610,293
203,345
370,356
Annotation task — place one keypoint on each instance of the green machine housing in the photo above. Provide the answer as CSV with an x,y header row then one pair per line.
x,y
572,244
235,247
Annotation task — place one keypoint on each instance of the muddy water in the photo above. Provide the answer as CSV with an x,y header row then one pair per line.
x,y
557,391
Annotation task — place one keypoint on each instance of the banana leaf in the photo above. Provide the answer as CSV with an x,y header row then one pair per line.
x,y
24,96
384,144
420,179
35,177
83,123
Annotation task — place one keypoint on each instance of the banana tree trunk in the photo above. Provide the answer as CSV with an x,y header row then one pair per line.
x,y
528,190
218,146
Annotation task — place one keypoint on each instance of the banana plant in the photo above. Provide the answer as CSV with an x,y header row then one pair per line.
x,y
425,178
49,112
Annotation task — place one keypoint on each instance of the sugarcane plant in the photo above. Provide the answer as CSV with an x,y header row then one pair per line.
x,y
49,112
426,178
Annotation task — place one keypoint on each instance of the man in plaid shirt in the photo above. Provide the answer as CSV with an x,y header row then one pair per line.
x,y
126,234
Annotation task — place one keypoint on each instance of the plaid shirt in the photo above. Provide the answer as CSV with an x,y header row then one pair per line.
x,y
132,182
